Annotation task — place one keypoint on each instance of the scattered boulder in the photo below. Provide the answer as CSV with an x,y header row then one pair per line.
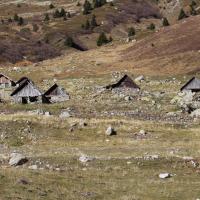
x,y
65,114
23,181
33,167
110,131
82,123
140,78
128,98
85,159
195,113
17,159
142,132
165,175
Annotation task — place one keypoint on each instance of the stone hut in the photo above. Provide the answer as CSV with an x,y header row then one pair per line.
x,y
6,82
56,94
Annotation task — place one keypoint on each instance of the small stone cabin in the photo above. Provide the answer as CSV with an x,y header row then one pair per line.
x,y
6,82
27,92
192,85
124,83
56,94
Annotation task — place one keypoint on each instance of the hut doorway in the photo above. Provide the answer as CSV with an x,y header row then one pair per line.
x,y
24,100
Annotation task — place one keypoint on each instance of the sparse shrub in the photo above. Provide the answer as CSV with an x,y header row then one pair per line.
x,y
151,27
131,31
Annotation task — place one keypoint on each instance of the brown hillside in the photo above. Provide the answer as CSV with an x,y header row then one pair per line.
x,y
176,47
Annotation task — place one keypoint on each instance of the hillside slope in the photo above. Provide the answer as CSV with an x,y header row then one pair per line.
x,y
173,49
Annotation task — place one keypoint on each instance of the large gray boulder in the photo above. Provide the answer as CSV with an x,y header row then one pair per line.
x,y
195,113
17,159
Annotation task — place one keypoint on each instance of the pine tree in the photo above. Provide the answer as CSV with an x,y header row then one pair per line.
x,y
35,27
87,25
131,32
192,10
69,42
165,22
56,14
78,4
62,13
98,3
68,14
182,15
111,3
102,39
93,21
151,27
9,20
87,7
16,18
46,17
51,6
21,21
110,39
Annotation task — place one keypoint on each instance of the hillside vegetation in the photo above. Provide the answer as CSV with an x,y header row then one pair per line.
x,y
42,35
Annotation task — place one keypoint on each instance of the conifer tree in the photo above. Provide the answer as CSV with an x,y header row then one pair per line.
x,y
46,17
87,7
16,17
165,22
20,21
131,32
182,15
93,21
102,39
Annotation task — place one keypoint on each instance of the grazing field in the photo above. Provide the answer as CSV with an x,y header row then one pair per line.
x,y
123,166
105,140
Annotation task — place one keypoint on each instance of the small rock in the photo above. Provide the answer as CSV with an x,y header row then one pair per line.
x,y
47,113
17,159
65,114
23,181
128,98
139,78
33,167
85,159
82,123
110,131
164,175
142,132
